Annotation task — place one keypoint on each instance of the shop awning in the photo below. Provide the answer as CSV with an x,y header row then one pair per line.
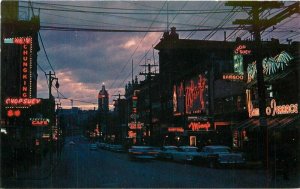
x,y
272,122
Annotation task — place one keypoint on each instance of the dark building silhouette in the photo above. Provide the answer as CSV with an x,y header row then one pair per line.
x,y
103,100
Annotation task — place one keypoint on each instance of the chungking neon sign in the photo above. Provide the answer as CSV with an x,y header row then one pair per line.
x,y
271,110
26,63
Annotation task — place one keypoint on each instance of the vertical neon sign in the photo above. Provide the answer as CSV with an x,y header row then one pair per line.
x,y
26,66
26,63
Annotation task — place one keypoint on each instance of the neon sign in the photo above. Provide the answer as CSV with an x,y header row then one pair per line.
x,y
270,65
22,101
39,121
18,40
195,95
176,129
196,126
242,49
26,64
233,77
15,113
134,125
271,110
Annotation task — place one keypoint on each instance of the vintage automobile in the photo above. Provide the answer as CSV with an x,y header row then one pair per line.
x,y
185,153
142,152
217,155
166,152
117,148
93,146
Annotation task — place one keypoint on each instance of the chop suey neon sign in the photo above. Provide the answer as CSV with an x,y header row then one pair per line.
x,y
273,109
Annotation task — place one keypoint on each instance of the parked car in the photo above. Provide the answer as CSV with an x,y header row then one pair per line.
x,y
93,147
167,152
216,155
142,152
185,153
101,145
117,148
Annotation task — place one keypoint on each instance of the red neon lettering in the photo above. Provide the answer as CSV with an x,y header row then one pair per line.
x,y
25,64
241,49
22,101
24,76
25,53
28,40
196,126
25,58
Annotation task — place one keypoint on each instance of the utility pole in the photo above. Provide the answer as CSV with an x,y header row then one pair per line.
x,y
52,111
257,26
148,77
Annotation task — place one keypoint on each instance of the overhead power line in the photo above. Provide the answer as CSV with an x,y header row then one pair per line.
x,y
61,28
133,13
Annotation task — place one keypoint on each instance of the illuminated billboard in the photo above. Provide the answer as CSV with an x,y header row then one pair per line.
x,y
191,95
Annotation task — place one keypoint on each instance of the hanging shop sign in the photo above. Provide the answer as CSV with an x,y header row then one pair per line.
x,y
196,126
21,101
176,129
39,121
271,110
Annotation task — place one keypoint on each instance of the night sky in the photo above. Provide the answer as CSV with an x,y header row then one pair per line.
x,y
83,60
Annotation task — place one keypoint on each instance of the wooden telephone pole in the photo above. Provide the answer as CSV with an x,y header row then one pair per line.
x,y
148,77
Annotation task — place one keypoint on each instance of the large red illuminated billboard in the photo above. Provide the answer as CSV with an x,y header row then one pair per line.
x,y
192,94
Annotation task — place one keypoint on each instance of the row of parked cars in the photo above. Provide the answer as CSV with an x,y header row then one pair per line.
x,y
213,155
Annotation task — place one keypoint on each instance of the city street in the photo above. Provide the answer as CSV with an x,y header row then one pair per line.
x,y
81,167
